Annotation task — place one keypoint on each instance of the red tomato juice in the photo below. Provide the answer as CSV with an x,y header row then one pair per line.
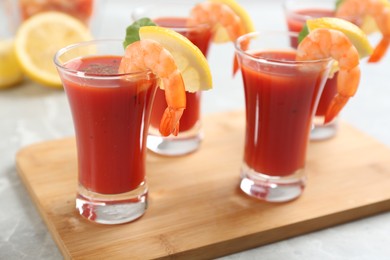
x,y
279,107
110,125
201,38
295,24
80,9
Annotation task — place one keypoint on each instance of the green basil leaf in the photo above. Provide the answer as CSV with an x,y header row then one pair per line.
x,y
132,31
303,33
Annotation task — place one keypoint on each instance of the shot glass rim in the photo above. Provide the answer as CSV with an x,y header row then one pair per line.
x,y
181,29
79,73
273,61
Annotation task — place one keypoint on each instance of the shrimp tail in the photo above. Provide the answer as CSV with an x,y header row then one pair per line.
x,y
170,121
335,107
236,66
347,85
380,50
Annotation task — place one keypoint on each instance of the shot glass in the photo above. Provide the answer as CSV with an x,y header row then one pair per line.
x,y
86,11
80,9
281,96
296,13
174,15
111,114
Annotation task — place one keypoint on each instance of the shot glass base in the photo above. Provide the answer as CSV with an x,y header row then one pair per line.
x,y
112,209
173,146
271,188
323,132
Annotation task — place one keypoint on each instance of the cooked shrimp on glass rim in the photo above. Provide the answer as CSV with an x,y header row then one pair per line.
x,y
227,19
149,54
217,14
148,47
378,10
330,38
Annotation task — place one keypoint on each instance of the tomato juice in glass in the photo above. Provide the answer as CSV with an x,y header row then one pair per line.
x,y
297,12
17,11
296,20
279,102
80,9
105,118
281,96
111,116
174,16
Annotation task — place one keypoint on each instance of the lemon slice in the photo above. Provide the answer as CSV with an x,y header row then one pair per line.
x,y
188,58
38,39
369,25
221,35
354,33
10,71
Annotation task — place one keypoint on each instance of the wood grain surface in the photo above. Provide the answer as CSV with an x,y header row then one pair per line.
x,y
196,209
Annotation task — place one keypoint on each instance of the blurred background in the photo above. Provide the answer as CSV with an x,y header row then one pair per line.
x,y
30,113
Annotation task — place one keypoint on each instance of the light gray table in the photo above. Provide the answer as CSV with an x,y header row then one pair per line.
x,y
31,113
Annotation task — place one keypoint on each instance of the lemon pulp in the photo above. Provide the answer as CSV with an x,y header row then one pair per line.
x,y
38,39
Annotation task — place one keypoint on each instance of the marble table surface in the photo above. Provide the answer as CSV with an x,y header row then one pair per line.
x,y
31,113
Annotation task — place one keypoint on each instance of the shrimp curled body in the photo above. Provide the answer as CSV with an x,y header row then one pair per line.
x,y
150,55
327,43
356,10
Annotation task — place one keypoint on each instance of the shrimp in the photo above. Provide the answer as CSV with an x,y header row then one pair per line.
x,y
327,43
216,14
148,54
355,10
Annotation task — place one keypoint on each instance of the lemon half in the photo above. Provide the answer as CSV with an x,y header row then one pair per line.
x,y
10,71
40,37
189,59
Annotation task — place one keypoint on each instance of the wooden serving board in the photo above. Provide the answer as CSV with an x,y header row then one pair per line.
x,y
196,208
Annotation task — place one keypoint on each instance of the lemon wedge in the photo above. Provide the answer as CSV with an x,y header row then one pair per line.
x,y
10,71
220,34
354,33
38,39
188,58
